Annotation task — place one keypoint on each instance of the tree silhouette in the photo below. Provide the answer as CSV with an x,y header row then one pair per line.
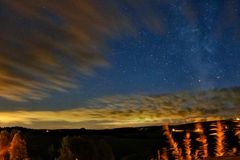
x,y
18,149
65,150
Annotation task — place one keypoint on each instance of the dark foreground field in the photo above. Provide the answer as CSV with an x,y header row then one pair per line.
x,y
142,143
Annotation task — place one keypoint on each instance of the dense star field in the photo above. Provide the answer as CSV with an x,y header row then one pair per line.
x,y
75,56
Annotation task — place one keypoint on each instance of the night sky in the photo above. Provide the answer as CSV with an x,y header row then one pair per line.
x,y
86,59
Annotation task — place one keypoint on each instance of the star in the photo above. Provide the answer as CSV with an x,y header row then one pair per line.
x,y
218,77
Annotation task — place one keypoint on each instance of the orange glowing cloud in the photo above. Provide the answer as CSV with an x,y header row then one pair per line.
x,y
126,111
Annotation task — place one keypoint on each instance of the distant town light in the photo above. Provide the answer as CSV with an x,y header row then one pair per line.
x,y
177,130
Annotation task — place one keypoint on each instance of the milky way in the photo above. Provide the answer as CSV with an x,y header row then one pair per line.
x,y
59,56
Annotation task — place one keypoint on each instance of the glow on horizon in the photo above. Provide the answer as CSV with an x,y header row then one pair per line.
x,y
84,118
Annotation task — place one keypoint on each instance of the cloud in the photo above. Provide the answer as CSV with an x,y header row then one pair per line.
x,y
45,45
123,111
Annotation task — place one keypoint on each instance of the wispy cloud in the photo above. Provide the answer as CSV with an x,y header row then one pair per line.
x,y
122,111
45,45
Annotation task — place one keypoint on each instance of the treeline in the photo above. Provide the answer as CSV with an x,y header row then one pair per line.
x,y
14,147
